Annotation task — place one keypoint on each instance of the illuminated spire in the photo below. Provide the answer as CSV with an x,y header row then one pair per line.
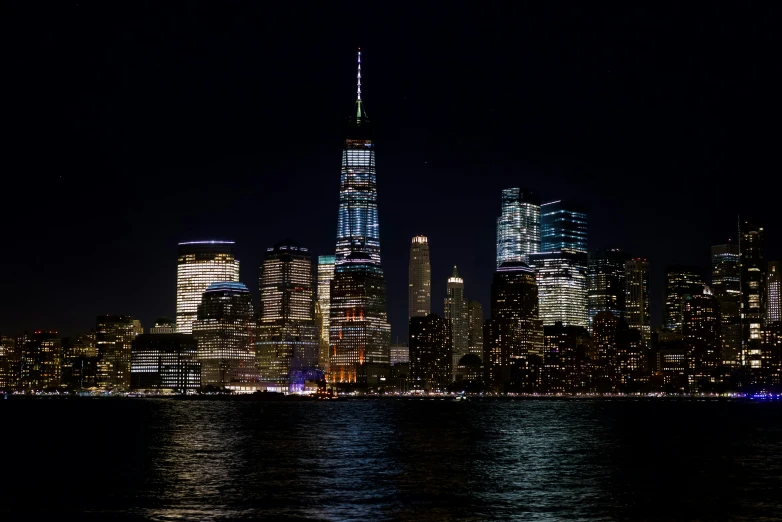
x,y
361,113
359,74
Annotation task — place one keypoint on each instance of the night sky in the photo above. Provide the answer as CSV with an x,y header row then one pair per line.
x,y
131,127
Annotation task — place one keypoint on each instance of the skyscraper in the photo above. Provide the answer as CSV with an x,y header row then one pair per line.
x,y
456,317
637,296
165,361
726,287
475,328
114,336
563,226
41,360
287,340
420,289
562,287
518,227
753,289
358,332
606,283
325,277
199,264
701,330
430,354
774,292
224,332
514,332
680,281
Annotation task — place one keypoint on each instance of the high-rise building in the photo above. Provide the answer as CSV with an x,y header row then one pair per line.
x,y
114,336
475,328
753,290
513,333
564,368
325,277
323,344
359,333
430,354
701,330
518,227
420,280
637,296
456,317
680,281
163,325
199,264
563,227
400,354
774,292
562,288
606,283
726,287
287,340
9,364
41,360
163,361
224,332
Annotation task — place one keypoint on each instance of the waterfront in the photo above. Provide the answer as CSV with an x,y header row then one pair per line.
x,y
424,460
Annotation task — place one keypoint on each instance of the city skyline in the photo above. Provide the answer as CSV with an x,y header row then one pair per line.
x,y
415,144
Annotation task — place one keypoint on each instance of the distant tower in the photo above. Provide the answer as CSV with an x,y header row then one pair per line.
x,y
637,296
753,290
680,281
701,330
606,283
562,287
325,277
726,286
359,332
223,330
287,340
774,292
199,264
563,227
456,317
420,286
518,227
475,328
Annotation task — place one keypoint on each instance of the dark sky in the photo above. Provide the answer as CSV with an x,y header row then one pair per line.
x,y
130,127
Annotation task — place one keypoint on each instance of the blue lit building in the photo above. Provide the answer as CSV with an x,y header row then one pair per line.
x,y
518,227
563,226
359,333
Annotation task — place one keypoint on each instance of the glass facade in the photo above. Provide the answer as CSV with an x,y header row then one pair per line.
x,y
562,290
455,307
563,226
288,337
637,296
518,227
753,290
325,277
606,283
774,292
165,362
680,281
420,279
199,264
359,333
726,287
224,333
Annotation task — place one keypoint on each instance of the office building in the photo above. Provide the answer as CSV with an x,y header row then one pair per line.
x,y
456,317
114,336
563,227
753,290
359,332
165,362
163,325
701,329
562,287
680,281
606,283
224,330
325,277
400,354
41,359
288,338
430,354
199,264
726,287
420,279
518,227
637,296
513,334
475,328
774,292
564,359
9,364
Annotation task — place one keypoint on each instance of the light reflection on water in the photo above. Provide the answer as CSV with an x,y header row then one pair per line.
x,y
406,460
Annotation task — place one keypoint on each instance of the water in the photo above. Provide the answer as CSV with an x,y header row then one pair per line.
x,y
407,460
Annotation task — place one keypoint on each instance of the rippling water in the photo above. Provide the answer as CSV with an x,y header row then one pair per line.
x,y
408,460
